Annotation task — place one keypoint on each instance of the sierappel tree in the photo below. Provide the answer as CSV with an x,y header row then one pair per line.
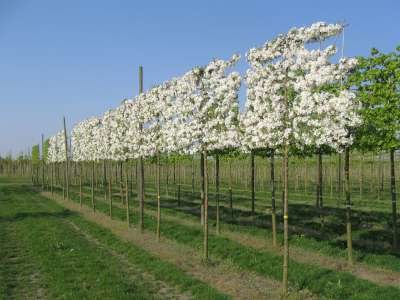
x,y
286,106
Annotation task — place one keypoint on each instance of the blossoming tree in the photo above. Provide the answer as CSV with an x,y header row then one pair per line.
x,y
289,104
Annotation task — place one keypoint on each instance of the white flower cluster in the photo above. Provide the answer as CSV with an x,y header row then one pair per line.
x,y
85,138
56,150
292,95
291,98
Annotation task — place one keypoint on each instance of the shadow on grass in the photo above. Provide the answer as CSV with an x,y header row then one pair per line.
x,y
37,215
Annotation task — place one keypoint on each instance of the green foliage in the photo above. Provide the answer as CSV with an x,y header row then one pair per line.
x,y
377,83
45,150
35,155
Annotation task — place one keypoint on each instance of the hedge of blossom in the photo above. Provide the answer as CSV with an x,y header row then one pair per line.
x,y
293,97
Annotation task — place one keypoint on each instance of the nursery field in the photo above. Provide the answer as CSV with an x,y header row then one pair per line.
x,y
90,245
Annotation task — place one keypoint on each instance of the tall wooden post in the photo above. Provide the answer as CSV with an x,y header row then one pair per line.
x,y
141,167
42,161
66,160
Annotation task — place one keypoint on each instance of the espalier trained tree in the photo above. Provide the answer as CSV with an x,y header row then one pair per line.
x,y
87,146
212,122
294,99
287,104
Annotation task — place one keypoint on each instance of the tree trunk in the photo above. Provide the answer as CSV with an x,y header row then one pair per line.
x,y
339,180
273,205
110,190
192,176
202,188
80,184
230,188
205,243
158,197
348,206
92,186
252,182
319,187
141,194
285,221
217,191
393,193
127,195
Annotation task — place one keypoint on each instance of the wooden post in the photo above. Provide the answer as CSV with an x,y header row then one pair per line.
x,y
42,162
141,167
66,159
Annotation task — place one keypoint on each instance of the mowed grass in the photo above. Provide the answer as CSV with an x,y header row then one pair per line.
x,y
371,230
43,255
323,282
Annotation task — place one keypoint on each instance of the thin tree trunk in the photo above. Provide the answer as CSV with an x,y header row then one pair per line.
x,y
205,242
192,176
80,184
52,178
110,190
273,205
217,191
158,198
127,195
230,188
348,206
393,194
319,186
252,182
202,188
141,194
285,221
92,186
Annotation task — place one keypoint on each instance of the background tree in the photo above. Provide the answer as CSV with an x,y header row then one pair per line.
x,y
377,82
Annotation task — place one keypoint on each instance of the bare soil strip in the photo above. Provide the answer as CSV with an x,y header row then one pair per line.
x,y
223,276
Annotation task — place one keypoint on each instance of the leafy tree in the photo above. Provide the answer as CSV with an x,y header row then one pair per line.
x,y
35,155
377,82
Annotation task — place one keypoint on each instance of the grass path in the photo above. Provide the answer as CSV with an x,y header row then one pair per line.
x,y
377,275
224,277
50,252
321,281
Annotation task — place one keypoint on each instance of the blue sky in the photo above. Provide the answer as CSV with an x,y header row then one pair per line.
x,y
79,58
